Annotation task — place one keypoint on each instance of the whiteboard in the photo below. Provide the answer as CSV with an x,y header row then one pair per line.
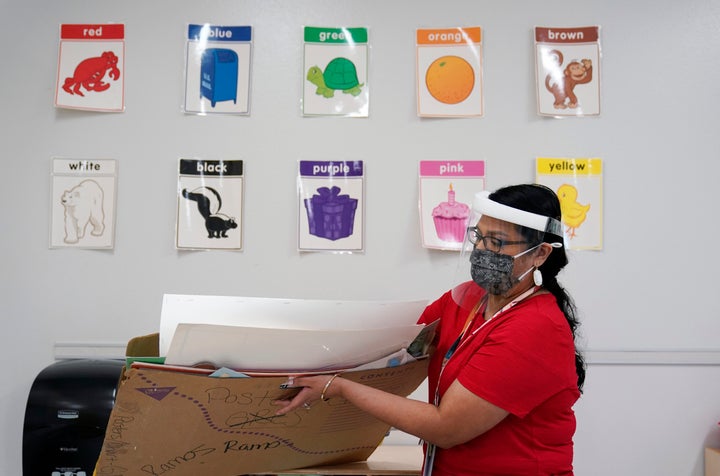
x,y
651,287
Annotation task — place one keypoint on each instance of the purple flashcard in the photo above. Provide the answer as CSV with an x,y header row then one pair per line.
x,y
330,212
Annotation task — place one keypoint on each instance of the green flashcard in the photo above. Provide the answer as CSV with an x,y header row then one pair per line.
x,y
335,79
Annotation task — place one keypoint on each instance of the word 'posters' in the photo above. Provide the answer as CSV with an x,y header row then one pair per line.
x,y
447,189
335,81
83,203
209,204
217,69
449,72
331,203
91,71
567,62
578,185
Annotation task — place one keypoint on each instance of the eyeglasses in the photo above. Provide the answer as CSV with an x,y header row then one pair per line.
x,y
491,243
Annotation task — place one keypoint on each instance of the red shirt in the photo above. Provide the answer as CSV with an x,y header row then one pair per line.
x,y
523,361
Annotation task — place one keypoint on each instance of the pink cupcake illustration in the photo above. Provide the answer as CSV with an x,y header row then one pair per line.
x,y
451,219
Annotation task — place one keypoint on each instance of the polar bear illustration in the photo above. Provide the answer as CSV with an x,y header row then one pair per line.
x,y
83,204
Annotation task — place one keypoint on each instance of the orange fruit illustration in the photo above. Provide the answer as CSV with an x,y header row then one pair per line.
x,y
450,79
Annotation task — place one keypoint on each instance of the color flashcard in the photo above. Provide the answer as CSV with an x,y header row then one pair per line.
x,y
447,189
91,67
335,78
217,69
449,72
83,203
331,203
209,204
567,62
578,185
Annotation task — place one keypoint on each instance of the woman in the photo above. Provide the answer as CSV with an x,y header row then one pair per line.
x,y
505,372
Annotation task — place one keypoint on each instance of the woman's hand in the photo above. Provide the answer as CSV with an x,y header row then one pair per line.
x,y
314,389
461,416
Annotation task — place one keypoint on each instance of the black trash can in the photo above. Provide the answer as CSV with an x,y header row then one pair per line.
x,y
67,411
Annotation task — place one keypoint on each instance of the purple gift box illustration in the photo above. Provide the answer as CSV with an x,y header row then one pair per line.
x,y
331,215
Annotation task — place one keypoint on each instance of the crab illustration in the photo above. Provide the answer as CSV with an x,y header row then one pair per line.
x,y
340,73
90,72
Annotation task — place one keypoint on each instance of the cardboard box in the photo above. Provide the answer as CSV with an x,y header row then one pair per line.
x,y
712,462
179,423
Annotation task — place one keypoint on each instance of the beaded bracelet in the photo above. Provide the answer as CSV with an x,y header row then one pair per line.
x,y
327,385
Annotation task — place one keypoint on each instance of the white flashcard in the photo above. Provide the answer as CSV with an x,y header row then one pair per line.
x,y
83,203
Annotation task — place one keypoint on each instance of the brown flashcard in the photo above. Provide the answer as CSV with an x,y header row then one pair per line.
x,y
567,64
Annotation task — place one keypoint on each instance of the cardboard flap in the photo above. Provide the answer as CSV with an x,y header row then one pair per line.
x,y
144,346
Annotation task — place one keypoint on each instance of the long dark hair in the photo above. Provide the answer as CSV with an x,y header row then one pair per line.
x,y
542,200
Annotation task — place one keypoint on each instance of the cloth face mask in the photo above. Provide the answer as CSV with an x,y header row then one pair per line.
x,y
494,271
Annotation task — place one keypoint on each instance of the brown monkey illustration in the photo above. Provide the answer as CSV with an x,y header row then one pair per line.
x,y
565,80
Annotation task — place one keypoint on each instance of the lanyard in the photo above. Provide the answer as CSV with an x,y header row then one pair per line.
x,y
430,451
471,317
482,303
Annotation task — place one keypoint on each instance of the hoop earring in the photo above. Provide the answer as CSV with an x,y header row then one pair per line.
x,y
537,277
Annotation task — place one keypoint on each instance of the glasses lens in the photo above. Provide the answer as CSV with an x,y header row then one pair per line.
x,y
490,243
493,244
473,235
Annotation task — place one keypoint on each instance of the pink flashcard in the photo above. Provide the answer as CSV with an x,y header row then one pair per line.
x,y
447,188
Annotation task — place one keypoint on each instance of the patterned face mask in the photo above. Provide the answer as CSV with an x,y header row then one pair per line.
x,y
494,271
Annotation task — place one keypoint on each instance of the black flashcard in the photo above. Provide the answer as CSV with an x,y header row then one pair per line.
x,y
209,211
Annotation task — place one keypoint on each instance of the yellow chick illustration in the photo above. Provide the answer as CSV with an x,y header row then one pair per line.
x,y
573,213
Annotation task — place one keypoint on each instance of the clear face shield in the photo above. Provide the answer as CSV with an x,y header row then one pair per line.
x,y
466,292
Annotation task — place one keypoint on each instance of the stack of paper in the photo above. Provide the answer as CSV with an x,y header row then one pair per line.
x,y
281,335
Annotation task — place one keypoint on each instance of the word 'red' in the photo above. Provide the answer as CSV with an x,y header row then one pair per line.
x,y
92,31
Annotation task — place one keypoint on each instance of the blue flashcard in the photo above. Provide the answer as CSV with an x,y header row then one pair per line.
x,y
217,72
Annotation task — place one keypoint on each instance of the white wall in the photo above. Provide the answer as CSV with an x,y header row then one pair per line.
x,y
650,291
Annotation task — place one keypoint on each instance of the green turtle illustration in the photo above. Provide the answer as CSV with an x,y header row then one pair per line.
x,y
340,73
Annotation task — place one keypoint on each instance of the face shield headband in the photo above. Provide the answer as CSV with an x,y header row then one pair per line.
x,y
482,205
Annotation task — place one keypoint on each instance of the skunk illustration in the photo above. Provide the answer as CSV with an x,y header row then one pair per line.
x,y
209,204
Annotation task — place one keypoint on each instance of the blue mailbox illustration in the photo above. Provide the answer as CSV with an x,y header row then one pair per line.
x,y
219,75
